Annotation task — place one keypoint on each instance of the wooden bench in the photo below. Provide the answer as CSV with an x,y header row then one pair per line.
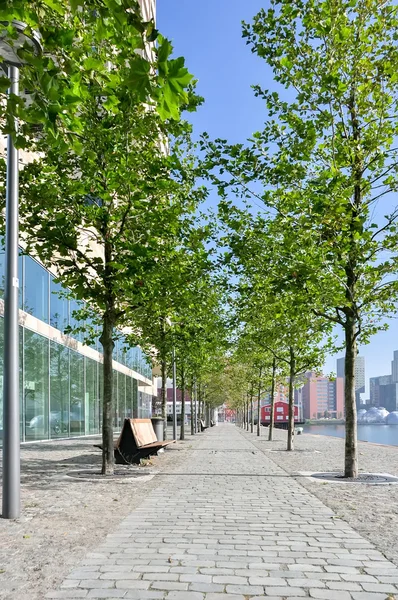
x,y
137,440
203,426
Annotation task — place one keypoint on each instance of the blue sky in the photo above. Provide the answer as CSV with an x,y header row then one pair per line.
x,y
208,34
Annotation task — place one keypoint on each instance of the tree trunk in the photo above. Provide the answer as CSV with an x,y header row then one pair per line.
x,y
200,407
247,415
290,430
164,396
259,403
107,343
195,408
272,415
350,325
192,393
182,428
251,415
351,445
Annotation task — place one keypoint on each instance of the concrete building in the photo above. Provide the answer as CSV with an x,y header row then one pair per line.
x,y
394,368
322,397
384,392
376,391
60,376
359,376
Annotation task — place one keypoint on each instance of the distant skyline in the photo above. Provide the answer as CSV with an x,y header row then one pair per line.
x,y
208,35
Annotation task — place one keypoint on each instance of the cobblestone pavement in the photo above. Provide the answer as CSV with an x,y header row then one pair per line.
x,y
232,524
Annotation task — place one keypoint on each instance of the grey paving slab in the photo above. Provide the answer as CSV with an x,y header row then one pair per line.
x,y
231,524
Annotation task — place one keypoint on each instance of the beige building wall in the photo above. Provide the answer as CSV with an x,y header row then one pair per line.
x,y
148,8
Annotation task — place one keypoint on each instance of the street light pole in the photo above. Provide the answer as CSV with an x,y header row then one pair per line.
x,y
174,396
10,56
11,436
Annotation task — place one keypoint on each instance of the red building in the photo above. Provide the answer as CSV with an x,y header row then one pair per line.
x,y
281,413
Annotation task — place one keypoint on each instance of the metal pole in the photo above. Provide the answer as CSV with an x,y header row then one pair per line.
x,y
11,435
174,396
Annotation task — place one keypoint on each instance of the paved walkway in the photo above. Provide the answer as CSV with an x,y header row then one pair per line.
x,y
232,525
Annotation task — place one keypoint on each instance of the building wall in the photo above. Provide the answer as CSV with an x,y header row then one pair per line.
x,y
61,375
320,396
359,376
148,8
376,389
394,367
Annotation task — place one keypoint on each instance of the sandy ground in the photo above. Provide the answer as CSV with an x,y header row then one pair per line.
x,y
63,517
370,509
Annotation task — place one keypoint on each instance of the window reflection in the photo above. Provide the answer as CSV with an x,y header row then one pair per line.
x,y
59,307
36,292
35,391
59,390
92,400
76,393
75,306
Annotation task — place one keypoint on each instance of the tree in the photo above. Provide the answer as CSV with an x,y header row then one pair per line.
x,y
326,157
102,210
275,318
79,41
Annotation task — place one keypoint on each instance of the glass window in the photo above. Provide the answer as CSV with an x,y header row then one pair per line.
x,y
36,284
100,390
92,401
115,349
121,396
3,273
21,407
115,407
91,329
59,390
2,270
129,397
74,307
135,398
1,375
76,393
123,349
35,389
59,307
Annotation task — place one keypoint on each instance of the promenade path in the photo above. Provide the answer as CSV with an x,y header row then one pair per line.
x,y
232,525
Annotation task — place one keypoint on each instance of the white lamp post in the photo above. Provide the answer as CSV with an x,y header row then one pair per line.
x,y
11,438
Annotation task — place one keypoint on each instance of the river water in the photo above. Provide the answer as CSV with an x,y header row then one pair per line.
x,y
379,434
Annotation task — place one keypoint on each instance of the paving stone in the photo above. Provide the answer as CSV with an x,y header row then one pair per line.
x,y
185,596
246,590
285,592
227,597
367,596
380,587
231,538
330,594
106,594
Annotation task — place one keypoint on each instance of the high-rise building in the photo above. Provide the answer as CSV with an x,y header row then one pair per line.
x,y
384,392
394,368
359,376
61,375
376,394
322,397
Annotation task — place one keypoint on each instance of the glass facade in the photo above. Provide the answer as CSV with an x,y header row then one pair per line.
x,y
61,388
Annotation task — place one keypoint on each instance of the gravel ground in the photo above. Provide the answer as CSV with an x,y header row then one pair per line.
x,y
63,517
370,509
